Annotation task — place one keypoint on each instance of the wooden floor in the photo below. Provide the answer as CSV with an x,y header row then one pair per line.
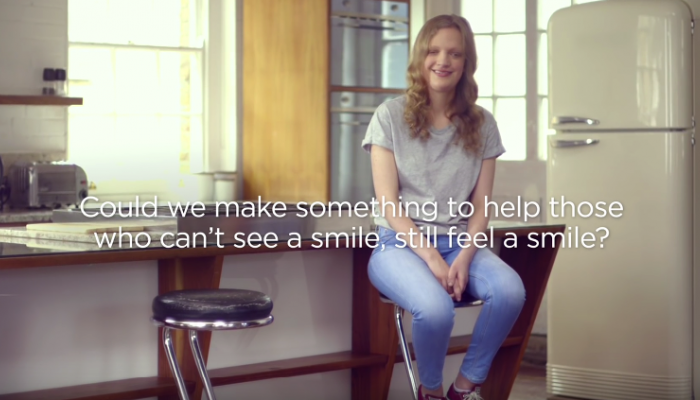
x,y
531,383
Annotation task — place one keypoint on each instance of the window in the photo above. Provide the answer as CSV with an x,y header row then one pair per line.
x,y
138,66
499,28
512,69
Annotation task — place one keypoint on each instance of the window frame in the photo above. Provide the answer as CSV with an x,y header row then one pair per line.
x,y
526,178
218,130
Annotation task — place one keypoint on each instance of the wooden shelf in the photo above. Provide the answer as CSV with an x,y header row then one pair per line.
x,y
127,389
139,388
458,345
363,89
40,100
294,367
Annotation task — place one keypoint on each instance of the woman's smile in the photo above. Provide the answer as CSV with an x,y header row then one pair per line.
x,y
442,73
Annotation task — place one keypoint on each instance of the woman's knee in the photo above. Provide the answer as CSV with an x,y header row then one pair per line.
x,y
510,290
504,286
516,288
437,311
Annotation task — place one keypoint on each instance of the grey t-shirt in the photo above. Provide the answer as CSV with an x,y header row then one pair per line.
x,y
431,172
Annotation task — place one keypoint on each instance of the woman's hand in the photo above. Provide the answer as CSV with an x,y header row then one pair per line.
x,y
458,276
478,222
441,270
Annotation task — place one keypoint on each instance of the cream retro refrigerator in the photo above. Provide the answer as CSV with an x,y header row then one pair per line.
x,y
620,316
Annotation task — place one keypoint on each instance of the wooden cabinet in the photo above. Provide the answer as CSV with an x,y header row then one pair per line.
x,y
285,93
313,73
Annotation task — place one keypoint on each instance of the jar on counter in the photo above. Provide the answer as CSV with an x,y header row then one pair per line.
x,y
61,84
225,186
49,82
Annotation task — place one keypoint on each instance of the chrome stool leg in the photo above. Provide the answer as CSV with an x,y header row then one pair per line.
x,y
172,360
196,310
201,365
398,313
398,317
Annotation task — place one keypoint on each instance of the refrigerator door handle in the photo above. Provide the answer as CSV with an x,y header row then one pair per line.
x,y
575,143
574,120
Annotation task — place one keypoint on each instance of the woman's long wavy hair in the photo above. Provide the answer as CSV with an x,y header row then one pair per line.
x,y
463,108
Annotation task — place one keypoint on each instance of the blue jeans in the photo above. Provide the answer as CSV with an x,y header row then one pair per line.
x,y
405,278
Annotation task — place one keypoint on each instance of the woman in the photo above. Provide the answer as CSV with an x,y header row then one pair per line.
x,y
434,145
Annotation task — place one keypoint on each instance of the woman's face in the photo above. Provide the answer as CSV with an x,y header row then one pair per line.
x,y
444,63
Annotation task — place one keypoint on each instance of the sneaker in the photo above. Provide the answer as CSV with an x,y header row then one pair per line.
x,y
421,396
475,394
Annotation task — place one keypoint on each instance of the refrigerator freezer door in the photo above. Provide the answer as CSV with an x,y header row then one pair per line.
x,y
620,316
621,64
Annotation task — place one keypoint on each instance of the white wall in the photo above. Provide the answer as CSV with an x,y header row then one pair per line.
x,y
33,36
72,325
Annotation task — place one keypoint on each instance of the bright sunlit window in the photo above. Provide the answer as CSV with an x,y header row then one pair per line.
x,y
138,66
506,85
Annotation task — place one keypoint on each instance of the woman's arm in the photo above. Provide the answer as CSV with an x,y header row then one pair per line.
x,y
386,187
478,222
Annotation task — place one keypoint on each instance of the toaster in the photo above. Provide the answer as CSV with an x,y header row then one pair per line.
x,y
46,185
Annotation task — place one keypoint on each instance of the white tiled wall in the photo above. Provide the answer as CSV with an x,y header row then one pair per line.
x,y
32,129
33,36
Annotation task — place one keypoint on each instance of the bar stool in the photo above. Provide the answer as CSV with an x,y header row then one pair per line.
x,y
206,310
398,317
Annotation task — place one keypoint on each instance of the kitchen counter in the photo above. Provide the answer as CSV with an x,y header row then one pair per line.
x,y
18,242
9,216
373,339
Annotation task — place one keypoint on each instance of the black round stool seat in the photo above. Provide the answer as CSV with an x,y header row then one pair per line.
x,y
467,301
212,305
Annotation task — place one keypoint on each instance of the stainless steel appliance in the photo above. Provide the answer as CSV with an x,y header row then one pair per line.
x,y
369,47
46,184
